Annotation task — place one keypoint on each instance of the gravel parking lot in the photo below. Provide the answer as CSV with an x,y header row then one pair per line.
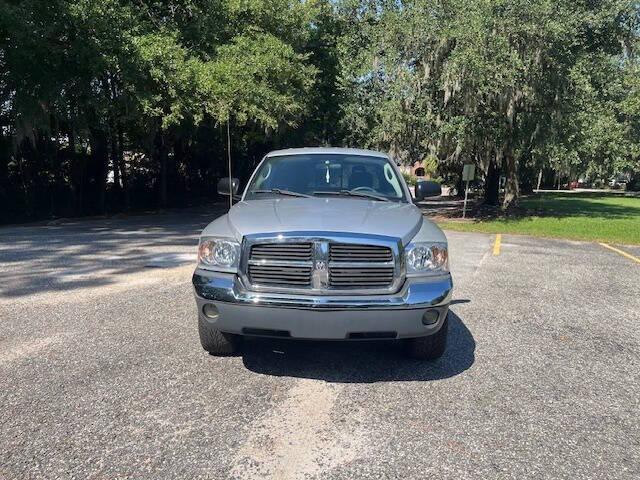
x,y
102,374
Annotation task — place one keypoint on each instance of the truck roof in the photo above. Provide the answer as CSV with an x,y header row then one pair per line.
x,y
326,150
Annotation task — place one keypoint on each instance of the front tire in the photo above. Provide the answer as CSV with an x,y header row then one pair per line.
x,y
431,347
216,342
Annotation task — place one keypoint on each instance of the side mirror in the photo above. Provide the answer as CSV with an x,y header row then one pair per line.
x,y
226,187
426,189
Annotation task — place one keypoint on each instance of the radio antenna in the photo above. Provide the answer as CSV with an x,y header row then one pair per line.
x,y
229,159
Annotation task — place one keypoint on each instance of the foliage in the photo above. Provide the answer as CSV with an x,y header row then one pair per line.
x,y
410,179
511,85
430,165
107,105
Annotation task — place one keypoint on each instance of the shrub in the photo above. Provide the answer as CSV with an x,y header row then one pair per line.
x,y
410,179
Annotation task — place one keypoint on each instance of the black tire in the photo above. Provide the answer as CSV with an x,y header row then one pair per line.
x,y
216,342
431,347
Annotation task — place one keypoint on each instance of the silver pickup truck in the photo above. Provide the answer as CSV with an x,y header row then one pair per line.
x,y
325,243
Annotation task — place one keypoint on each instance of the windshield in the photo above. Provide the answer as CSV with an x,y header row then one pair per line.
x,y
359,176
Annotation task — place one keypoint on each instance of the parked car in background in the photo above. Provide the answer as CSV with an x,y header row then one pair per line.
x,y
619,182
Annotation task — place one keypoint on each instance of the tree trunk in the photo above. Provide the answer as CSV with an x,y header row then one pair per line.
x,y
115,164
509,161
492,184
161,152
179,165
113,140
82,175
57,160
100,154
25,177
124,174
511,188
72,168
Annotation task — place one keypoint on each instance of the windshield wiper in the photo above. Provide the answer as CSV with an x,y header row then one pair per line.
x,y
279,191
351,193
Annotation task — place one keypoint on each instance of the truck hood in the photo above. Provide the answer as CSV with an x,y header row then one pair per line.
x,y
359,216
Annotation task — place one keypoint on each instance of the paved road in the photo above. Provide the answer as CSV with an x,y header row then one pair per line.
x,y
102,374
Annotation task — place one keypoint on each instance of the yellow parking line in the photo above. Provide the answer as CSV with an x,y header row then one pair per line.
x,y
496,245
624,254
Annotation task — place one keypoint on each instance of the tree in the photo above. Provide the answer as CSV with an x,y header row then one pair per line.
x,y
490,82
111,104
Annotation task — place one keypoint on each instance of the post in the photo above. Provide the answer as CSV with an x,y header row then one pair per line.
x,y
539,180
229,158
466,193
468,174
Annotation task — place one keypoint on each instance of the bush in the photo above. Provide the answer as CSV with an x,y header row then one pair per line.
x,y
430,165
410,179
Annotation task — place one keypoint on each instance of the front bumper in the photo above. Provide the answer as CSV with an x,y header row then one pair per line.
x,y
336,317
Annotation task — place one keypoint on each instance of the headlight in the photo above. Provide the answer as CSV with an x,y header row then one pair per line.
x,y
220,254
425,258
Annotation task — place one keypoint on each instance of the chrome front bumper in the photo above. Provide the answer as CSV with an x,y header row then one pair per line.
x,y
323,316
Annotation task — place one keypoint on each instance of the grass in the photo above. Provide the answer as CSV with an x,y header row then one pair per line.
x,y
600,217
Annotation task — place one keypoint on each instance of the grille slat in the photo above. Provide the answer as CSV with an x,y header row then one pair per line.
x,y
292,275
362,272
358,280
283,251
281,275
281,254
367,275
272,281
340,252
289,270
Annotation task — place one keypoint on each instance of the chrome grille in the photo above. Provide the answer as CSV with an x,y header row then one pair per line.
x,y
282,275
281,264
329,264
350,277
344,252
282,251
360,266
